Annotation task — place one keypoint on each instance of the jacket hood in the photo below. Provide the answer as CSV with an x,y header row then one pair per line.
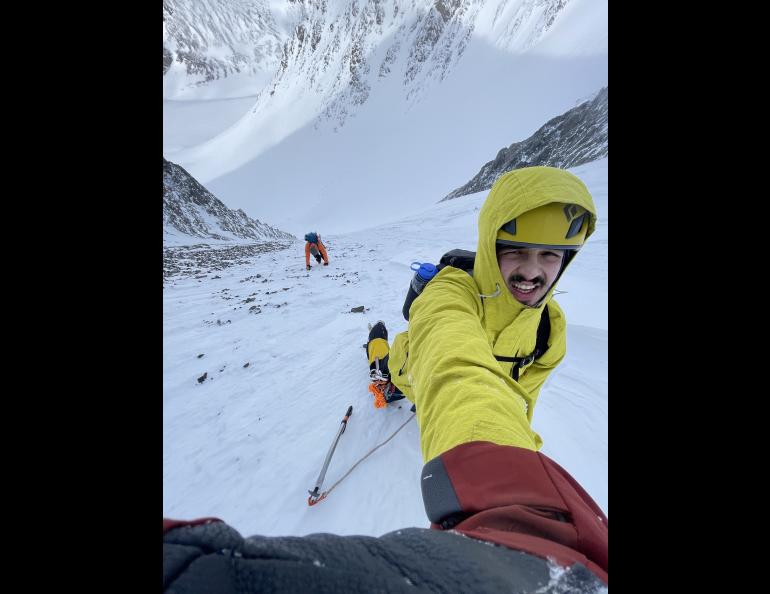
x,y
513,194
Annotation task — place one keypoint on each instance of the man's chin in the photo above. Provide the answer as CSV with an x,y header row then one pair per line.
x,y
528,302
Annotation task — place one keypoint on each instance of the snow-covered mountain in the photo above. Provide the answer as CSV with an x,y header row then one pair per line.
x,y
208,41
191,212
388,104
571,139
340,50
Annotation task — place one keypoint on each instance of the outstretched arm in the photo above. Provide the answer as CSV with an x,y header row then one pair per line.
x,y
459,388
483,477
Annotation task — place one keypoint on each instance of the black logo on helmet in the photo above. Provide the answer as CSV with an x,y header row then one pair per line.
x,y
510,227
576,216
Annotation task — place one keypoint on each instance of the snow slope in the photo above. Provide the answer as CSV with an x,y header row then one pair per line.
x,y
247,443
187,123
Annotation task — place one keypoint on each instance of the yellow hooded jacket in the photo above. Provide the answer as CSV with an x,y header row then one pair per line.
x,y
445,363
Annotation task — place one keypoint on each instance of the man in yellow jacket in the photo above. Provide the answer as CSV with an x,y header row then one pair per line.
x,y
469,364
456,360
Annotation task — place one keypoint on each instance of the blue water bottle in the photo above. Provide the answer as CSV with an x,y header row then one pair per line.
x,y
424,272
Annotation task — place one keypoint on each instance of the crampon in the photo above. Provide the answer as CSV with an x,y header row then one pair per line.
x,y
379,390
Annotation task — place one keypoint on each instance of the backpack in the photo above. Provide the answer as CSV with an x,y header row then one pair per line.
x,y
311,237
464,260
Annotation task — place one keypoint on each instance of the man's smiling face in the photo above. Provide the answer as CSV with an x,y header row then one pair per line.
x,y
528,272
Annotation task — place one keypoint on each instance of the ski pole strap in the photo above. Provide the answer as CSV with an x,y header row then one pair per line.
x,y
313,499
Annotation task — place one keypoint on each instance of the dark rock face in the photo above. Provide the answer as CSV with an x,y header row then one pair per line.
x,y
191,209
571,139
167,59
215,39
203,259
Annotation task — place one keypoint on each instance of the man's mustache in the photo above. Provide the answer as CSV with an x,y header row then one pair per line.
x,y
517,278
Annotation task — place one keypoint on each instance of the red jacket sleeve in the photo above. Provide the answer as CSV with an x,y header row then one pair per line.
x,y
517,498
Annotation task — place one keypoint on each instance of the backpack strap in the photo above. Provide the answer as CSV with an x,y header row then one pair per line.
x,y
541,346
543,333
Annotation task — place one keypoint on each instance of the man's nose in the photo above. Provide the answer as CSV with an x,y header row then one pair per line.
x,y
529,268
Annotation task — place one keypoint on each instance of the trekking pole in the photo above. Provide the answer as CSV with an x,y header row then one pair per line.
x,y
315,496
369,453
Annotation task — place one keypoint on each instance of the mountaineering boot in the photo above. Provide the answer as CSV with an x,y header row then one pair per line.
x,y
377,351
392,393
378,331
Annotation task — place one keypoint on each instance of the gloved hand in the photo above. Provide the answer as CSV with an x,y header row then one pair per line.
x,y
308,266
326,263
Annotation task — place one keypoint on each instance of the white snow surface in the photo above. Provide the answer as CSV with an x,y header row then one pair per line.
x,y
248,443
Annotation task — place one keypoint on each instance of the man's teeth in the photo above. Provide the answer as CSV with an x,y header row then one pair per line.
x,y
525,287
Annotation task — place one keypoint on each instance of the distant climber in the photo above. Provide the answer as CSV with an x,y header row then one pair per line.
x,y
314,246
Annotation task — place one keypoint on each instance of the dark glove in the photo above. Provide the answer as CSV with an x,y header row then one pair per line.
x,y
326,263
308,266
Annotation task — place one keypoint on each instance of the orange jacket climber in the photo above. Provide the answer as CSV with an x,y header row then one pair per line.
x,y
314,246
